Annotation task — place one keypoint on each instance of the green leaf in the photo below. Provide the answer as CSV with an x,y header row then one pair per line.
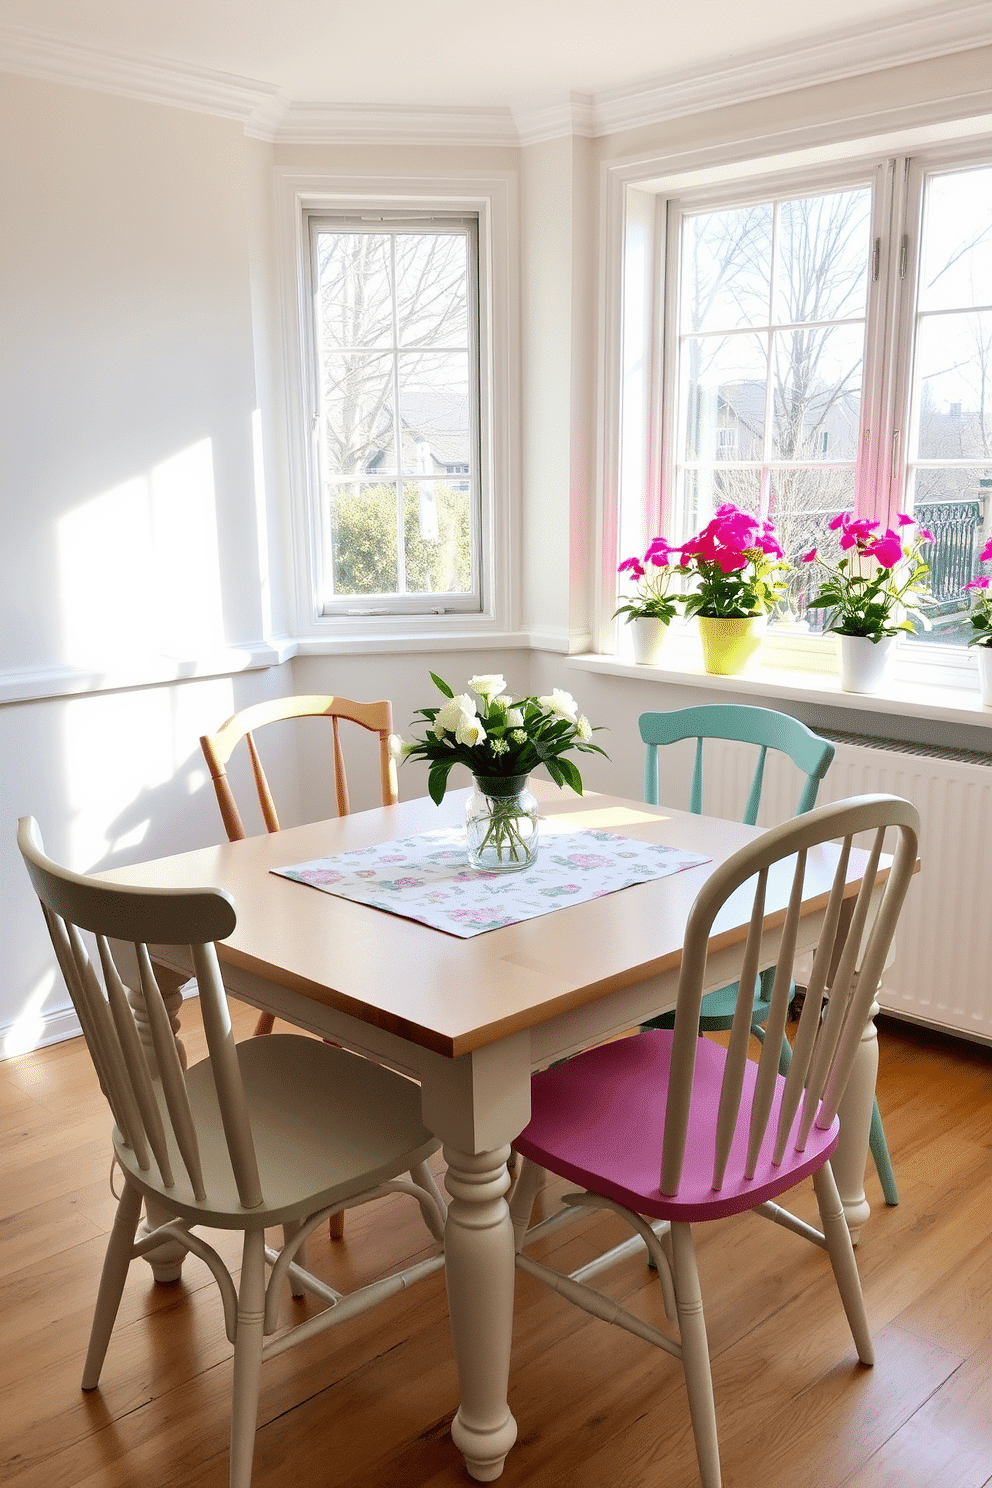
x,y
437,780
441,686
571,775
554,769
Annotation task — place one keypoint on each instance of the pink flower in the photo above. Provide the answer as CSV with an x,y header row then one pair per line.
x,y
905,520
985,556
767,544
659,552
982,582
731,562
925,535
808,557
634,566
840,520
887,551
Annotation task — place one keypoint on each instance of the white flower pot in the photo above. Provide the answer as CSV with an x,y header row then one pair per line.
x,y
984,654
864,663
648,635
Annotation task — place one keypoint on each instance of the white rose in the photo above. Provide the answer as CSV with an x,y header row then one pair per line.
x,y
514,717
561,703
583,729
488,686
469,730
452,711
398,747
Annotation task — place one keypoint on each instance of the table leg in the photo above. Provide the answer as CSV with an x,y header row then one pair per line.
x,y
479,1269
851,1158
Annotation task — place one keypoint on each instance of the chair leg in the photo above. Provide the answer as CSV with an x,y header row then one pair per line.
x,y
265,1024
422,1175
300,1259
845,1267
880,1156
115,1268
247,1358
695,1355
530,1176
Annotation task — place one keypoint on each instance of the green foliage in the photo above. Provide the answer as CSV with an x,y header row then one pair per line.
x,y
363,541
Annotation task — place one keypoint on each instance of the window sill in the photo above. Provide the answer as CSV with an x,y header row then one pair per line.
x,y
942,686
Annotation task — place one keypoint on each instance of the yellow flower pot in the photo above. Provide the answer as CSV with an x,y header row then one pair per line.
x,y
728,645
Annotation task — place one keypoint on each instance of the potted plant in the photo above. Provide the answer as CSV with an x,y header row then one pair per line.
x,y
981,620
650,610
738,566
869,594
501,741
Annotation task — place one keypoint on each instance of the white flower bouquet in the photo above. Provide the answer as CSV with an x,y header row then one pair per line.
x,y
497,737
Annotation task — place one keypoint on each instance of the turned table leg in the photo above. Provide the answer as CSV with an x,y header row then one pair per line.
x,y
479,1269
851,1158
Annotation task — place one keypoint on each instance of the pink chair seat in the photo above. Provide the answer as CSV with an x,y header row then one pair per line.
x,y
599,1118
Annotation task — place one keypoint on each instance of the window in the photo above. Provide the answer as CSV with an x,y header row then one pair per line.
x,y
395,395
823,341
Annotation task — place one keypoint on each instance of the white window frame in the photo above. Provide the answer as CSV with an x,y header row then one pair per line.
x,y
637,425
411,620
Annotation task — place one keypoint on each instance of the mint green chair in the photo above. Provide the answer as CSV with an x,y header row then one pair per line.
x,y
766,729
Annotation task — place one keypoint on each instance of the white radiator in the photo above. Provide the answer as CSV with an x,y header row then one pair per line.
x,y
942,972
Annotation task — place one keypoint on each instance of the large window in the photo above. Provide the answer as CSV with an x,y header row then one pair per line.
x,y
395,395
826,344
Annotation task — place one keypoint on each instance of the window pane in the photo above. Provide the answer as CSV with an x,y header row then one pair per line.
x,y
724,397
954,377
956,267
358,413
432,289
824,250
437,537
361,521
818,392
803,504
726,269
704,490
434,413
355,306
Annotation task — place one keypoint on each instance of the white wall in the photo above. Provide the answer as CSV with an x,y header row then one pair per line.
x,y
129,525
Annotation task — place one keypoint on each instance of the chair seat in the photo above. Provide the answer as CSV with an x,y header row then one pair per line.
x,y
599,1120
298,1090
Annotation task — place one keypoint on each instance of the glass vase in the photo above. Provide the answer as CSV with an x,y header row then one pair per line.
x,y
501,824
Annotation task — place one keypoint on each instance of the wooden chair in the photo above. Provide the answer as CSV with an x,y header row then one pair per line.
x,y
725,1133
766,729
218,748
279,1131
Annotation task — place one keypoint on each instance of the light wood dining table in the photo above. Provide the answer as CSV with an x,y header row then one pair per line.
x,y
470,1019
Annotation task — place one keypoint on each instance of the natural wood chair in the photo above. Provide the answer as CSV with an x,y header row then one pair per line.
x,y
725,1134
218,748
279,1131
766,729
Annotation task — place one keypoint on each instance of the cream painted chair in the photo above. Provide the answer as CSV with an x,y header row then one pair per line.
x,y
217,749
667,1129
280,1131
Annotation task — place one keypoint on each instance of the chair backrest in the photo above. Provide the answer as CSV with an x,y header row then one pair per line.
x,y
848,964
152,1111
218,748
747,725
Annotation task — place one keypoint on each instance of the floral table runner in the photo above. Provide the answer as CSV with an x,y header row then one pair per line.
x,y
427,878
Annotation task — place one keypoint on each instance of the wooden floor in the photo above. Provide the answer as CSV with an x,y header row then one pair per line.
x,y
370,1403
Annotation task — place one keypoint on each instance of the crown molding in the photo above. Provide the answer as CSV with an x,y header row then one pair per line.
x,y
265,113
357,124
45,56
844,54
554,121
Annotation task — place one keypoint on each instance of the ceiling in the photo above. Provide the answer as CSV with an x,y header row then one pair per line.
x,y
515,54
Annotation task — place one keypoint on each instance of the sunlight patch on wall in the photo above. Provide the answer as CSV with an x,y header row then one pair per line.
x,y
139,566
129,759
28,1027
